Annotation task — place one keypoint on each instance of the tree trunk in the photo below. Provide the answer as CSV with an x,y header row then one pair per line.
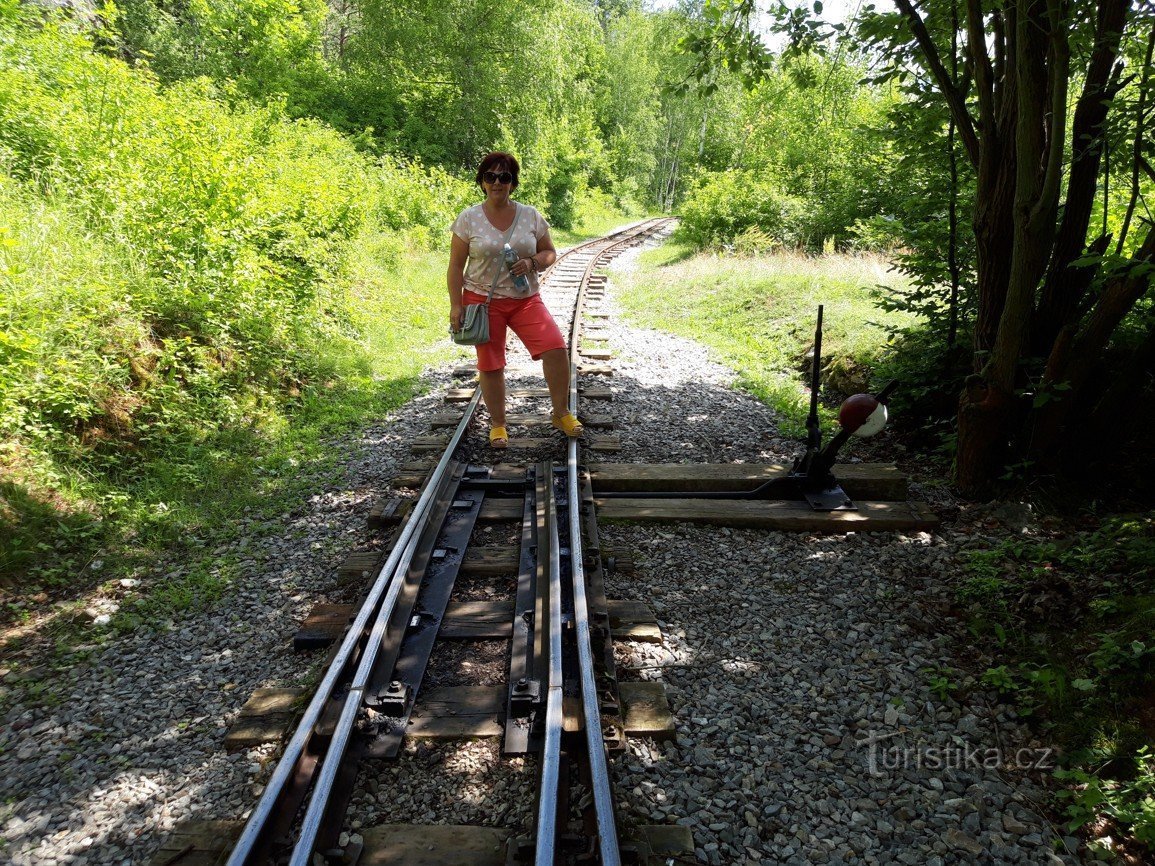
x,y
1065,285
993,228
1040,73
1017,144
985,419
1073,357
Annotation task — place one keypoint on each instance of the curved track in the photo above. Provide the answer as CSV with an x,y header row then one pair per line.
x,y
362,704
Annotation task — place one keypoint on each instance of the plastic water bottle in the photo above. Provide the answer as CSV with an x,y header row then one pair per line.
x,y
520,283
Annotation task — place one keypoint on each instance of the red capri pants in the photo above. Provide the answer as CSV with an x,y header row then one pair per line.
x,y
529,319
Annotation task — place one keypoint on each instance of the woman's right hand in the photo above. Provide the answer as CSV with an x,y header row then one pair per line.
x,y
456,313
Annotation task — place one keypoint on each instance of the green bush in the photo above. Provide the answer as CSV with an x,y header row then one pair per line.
x,y
237,219
175,264
726,205
1067,617
264,46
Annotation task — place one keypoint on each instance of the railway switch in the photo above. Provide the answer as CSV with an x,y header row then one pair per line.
x,y
391,700
526,697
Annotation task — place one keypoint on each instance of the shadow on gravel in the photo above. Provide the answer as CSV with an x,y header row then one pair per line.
x,y
100,761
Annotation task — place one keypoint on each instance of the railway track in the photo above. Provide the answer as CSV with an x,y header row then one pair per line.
x,y
561,701
532,607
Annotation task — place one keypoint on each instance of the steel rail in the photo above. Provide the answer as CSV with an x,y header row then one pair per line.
x,y
591,710
323,788
379,603
387,577
624,234
546,843
595,744
303,850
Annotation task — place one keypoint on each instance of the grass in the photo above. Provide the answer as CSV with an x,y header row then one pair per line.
x,y
186,502
757,314
1063,617
84,530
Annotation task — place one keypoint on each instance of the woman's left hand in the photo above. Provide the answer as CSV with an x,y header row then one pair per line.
x,y
521,267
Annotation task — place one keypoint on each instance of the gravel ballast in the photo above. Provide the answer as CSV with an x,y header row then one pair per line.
x,y
811,679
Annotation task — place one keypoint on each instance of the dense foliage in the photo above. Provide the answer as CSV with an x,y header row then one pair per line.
x,y
173,264
801,157
576,89
201,205
1020,208
1026,127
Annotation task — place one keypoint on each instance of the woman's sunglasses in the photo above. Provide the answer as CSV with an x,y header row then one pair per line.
x,y
494,177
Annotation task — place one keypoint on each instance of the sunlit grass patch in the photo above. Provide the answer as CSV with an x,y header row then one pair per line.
x,y
758,314
187,496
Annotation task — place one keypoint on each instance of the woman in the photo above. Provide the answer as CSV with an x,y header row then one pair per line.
x,y
475,260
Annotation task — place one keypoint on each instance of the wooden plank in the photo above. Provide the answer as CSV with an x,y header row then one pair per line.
x,y
616,559
633,620
477,620
413,474
409,480
429,443
642,632
595,422
879,481
388,511
198,843
572,718
433,845
438,443
521,370
596,354
595,370
790,516
457,712
464,395
668,842
324,624
500,510
492,619
495,561
359,565
595,335
265,718
596,443
608,444
645,710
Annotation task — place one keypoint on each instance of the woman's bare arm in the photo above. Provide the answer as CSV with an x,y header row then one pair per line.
x,y
546,255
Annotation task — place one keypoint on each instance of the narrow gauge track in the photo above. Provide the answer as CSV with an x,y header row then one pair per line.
x,y
561,697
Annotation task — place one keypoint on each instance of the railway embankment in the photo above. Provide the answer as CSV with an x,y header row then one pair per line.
x,y
809,675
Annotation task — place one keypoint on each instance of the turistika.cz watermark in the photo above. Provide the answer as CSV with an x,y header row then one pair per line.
x,y
885,754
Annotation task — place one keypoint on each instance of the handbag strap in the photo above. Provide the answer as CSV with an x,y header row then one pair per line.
x,y
504,241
